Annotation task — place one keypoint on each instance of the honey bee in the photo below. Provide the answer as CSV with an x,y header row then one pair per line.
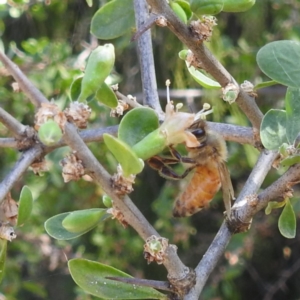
x,y
207,173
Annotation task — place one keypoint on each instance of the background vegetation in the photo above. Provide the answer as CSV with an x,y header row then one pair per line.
x,y
47,40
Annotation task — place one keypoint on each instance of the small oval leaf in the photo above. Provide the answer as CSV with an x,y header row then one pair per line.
x,y
55,228
179,11
206,7
278,60
91,277
129,161
202,79
106,96
287,221
137,124
3,250
292,106
291,160
75,88
107,201
272,205
273,129
83,220
185,5
25,205
98,67
113,19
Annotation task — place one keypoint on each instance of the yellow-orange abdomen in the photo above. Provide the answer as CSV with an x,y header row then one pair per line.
x,y
200,190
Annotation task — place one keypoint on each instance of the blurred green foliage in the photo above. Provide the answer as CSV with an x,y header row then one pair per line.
x,y
46,39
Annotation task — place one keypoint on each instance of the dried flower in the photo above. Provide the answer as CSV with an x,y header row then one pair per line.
x,y
49,111
78,113
192,60
121,184
7,232
155,249
119,110
9,210
117,214
203,29
72,167
16,87
248,87
230,93
161,21
39,166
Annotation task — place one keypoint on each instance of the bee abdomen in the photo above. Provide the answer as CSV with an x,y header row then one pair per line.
x,y
201,189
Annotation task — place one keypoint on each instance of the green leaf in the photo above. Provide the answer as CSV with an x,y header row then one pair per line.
x,y
287,221
206,7
107,201
25,205
179,11
291,160
106,96
237,5
283,149
292,106
113,19
55,228
3,250
137,124
89,3
273,129
129,161
202,79
91,277
185,5
272,205
83,220
75,88
50,133
98,67
264,84
280,61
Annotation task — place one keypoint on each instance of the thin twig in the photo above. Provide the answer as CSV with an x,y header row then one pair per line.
x,y
233,133
146,59
12,124
25,84
8,143
27,158
280,284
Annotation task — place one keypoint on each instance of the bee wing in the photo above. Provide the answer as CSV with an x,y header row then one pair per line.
x,y
227,189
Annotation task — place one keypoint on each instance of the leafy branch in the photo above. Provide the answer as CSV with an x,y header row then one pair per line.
x,y
248,202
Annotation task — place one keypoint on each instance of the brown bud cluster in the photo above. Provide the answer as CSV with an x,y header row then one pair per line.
x,y
117,214
39,166
155,249
119,110
72,168
49,111
78,113
203,29
122,185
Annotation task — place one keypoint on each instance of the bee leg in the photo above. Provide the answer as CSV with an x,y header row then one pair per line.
x,y
161,165
183,159
157,162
